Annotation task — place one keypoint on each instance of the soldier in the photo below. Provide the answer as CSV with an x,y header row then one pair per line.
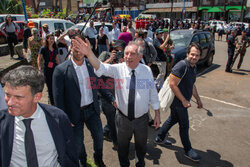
x,y
231,48
241,48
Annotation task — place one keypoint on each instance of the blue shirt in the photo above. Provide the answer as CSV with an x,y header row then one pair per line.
x,y
187,82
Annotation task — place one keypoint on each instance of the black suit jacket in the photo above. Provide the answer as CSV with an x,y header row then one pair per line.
x,y
66,90
60,129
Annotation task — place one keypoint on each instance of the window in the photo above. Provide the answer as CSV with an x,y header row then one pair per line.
x,y
59,26
68,25
208,37
203,39
195,39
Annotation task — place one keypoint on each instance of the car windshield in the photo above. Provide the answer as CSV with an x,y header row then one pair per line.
x,y
180,38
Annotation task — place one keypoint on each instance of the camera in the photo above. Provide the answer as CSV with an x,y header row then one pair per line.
x,y
119,54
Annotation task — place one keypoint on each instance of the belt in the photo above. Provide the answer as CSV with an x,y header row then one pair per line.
x,y
127,116
87,106
122,113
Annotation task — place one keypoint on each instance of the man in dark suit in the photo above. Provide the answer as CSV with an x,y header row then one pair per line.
x,y
75,90
33,134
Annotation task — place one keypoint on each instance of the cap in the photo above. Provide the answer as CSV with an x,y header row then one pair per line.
x,y
45,25
159,31
119,43
165,30
145,31
31,24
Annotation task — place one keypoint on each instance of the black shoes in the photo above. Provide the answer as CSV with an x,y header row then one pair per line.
x,y
191,154
162,142
228,70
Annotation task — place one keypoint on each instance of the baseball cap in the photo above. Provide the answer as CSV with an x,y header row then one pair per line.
x,y
165,30
159,31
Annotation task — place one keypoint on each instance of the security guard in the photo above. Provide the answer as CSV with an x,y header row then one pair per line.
x,y
230,50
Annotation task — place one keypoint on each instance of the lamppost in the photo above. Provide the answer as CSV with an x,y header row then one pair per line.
x,y
24,10
183,11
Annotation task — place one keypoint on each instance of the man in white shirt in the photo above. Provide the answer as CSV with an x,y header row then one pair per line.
x,y
105,29
91,33
33,134
134,93
115,32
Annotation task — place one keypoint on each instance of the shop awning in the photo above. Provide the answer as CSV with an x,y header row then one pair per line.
x,y
234,8
166,10
215,10
204,8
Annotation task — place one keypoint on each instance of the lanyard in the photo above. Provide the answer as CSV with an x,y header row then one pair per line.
x,y
50,55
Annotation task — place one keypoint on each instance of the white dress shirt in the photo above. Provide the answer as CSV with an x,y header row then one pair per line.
x,y
145,93
84,83
45,147
115,33
106,30
91,32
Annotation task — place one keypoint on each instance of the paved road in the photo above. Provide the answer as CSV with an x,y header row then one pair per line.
x,y
220,134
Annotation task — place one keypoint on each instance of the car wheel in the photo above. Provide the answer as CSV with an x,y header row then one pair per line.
x,y
210,59
2,40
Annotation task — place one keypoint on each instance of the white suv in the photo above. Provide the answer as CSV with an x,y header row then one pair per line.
x,y
54,24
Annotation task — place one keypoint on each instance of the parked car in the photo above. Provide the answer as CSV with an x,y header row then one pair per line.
x,y
15,17
3,39
217,23
54,24
236,24
183,38
97,25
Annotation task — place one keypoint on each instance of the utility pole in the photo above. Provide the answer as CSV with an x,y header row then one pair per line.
x,y
242,10
183,11
24,10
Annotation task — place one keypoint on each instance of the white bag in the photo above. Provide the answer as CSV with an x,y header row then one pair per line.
x,y
166,95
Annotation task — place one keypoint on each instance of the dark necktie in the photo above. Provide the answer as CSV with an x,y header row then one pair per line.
x,y
29,144
131,97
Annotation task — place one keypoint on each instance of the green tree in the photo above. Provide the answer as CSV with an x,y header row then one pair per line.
x,y
11,7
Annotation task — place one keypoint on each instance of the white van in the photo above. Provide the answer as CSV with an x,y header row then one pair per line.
x,y
15,17
97,25
54,24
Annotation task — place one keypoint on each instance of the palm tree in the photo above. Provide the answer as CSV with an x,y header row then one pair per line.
x,y
68,7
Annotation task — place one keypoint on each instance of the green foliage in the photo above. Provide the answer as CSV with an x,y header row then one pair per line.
x,y
34,16
11,7
90,163
62,14
45,13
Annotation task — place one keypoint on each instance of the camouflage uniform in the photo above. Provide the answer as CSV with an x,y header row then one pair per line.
x,y
243,44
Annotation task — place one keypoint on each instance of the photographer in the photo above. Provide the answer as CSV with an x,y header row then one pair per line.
x,y
113,57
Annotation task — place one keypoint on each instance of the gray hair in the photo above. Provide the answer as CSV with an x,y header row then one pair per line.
x,y
139,50
25,75
34,31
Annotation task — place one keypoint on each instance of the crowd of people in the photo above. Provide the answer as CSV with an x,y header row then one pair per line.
x,y
77,69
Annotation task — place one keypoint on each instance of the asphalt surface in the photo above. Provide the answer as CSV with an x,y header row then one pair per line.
x,y
220,132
